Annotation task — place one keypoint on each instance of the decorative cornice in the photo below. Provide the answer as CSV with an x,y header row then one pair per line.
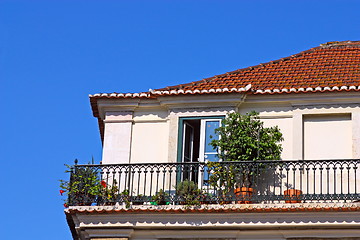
x,y
240,217
307,90
226,208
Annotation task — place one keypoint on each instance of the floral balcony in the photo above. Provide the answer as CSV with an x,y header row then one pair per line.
x,y
246,182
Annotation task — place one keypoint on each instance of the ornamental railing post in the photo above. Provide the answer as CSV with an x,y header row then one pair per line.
x,y
72,173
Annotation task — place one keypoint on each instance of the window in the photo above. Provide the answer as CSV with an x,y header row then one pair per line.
x,y
195,135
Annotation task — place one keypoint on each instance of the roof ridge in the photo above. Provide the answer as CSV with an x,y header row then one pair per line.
x,y
339,43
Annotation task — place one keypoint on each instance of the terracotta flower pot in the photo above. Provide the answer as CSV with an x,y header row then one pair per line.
x,y
244,194
292,196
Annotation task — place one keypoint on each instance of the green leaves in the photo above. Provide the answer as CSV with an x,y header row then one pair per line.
x,y
243,137
83,187
188,191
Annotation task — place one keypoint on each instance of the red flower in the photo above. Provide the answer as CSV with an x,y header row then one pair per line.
x,y
61,192
65,205
103,183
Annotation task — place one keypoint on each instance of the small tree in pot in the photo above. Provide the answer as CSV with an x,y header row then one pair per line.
x,y
188,193
243,138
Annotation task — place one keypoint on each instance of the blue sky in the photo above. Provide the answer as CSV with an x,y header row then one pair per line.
x,y
54,53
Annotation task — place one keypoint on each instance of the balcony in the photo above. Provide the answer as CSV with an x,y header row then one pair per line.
x,y
260,182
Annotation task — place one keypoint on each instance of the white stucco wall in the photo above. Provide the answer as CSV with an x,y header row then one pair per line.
x,y
275,115
149,142
327,136
150,135
149,131
117,137
149,145
285,125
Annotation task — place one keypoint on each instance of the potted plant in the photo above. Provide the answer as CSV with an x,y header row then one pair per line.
x,y
208,198
292,195
125,198
243,138
109,193
188,193
160,198
222,179
138,200
83,188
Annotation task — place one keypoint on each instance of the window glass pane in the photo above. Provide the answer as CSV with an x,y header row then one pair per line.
x,y
188,143
210,135
213,157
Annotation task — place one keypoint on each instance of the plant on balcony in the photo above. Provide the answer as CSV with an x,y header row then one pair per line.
x,y
125,198
109,193
243,138
160,198
188,193
83,188
222,179
138,200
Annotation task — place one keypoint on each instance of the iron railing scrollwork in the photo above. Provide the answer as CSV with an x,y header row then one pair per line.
x,y
278,181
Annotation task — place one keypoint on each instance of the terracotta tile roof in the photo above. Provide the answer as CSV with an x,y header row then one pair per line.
x,y
333,66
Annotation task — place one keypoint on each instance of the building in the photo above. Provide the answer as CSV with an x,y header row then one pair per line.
x,y
153,140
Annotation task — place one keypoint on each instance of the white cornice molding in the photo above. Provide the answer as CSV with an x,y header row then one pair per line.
x,y
93,216
192,111
117,121
307,99
112,221
116,106
150,120
109,233
270,220
184,101
234,100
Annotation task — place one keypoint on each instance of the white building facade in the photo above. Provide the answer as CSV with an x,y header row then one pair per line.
x,y
313,97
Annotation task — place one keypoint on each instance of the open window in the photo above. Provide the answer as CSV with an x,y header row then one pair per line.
x,y
195,135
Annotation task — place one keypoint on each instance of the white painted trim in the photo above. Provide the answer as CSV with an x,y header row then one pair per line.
x,y
186,125
202,141
272,116
355,118
117,121
224,90
305,99
113,105
150,120
227,100
223,220
109,233
245,234
298,137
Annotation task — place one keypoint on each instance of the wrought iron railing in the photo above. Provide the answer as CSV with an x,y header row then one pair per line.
x,y
216,183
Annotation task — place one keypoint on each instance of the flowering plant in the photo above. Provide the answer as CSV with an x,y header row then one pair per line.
x,y
84,186
108,193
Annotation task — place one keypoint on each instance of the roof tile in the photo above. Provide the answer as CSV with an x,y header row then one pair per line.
x,y
333,66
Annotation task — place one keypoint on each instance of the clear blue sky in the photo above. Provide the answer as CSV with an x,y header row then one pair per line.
x,y
54,53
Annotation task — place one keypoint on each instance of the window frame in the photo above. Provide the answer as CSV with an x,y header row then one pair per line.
x,y
181,132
